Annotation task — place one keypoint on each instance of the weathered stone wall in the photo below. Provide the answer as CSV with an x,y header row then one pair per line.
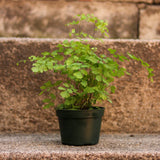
x,y
136,103
150,23
130,19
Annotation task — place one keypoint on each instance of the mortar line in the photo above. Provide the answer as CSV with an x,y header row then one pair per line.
x,y
138,22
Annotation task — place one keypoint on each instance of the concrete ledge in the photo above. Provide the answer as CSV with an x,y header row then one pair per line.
x,y
48,146
135,108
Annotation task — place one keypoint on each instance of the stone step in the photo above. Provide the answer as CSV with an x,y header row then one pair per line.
x,y
126,18
136,103
48,146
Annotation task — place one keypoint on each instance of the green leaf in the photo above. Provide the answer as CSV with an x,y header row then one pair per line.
x,y
150,70
98,78
59,57
61,88
152,79
103,56
70,35
83,17
78,75
32,58
48,84
35,69
57,83
43,87
91,37
105,81
76,66
73,88
109,100
49,65
112,51
103,96
84,72
46,100
68,51
65,94
73,30
94,70
60,46
54,53
41,93
24,61
133,57
58,67
92,59
65,41
60,106
73,44
69,61
51,104
69,91
46,106
66,85
52,96
45,53
68,102
75,58
113,88
89,90
121,72
74,22
84,83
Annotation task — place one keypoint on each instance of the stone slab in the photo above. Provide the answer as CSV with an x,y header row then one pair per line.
x,y
150,23
48,146
157,1
131,1
135,107
48,18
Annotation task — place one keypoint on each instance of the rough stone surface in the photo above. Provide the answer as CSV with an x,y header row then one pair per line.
x,y
150,23
135,107
157,1
48,146
133,1
48,18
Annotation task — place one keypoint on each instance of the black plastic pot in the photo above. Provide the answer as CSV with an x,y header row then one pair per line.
x,y
80,127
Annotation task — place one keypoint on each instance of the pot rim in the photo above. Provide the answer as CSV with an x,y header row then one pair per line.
x,y
64,113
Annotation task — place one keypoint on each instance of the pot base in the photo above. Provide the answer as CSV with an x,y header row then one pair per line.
x,y
80,127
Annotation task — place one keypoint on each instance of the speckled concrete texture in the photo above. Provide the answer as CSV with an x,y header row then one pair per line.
x,y
48,146
136,103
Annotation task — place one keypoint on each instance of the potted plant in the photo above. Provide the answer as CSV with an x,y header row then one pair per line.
x,y
87,78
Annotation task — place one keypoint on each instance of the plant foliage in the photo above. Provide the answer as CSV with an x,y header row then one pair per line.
x,y
89,76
